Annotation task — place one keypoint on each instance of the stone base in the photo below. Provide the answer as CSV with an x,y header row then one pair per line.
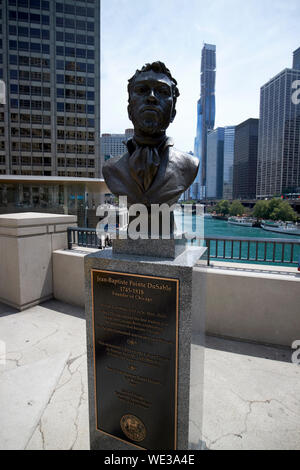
x,y
181,269
169,248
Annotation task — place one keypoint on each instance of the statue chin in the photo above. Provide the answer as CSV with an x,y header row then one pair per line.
x,y
148,127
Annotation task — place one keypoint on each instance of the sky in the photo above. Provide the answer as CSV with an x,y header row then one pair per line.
x,y
254,39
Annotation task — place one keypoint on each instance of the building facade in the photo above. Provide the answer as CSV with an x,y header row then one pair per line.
x,y
205,116
229,134
215,163
245,159
278,167
113,145
296,59
50,125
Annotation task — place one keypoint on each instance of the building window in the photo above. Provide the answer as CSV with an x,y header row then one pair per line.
x,y
59,8
23,31
81,25
35,47
90,26
80,38
14,103
81,53
13,88
60,64
60,107
35,4
69,23
45,20
13,60
69,37
12,30
13,45
70,9
59,50
45,49
12,15
59,36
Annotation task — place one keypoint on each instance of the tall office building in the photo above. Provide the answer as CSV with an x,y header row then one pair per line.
x,y
215,169
50,63
245,159
205,116
229,134
113,145
278,166
296,59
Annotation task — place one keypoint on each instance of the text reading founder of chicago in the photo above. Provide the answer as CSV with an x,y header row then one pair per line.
x,y
152,171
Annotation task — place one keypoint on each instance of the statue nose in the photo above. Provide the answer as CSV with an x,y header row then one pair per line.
x,y
152,97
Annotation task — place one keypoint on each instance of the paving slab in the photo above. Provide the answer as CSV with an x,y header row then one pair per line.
x,y
251,397
24,394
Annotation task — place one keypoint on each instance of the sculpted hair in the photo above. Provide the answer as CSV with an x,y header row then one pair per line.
x,y
157,67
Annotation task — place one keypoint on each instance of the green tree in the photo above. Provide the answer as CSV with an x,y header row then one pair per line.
x,y
283,211
236,208
222,207
261,210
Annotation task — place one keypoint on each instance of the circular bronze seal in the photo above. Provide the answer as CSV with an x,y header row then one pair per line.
x,y
133,428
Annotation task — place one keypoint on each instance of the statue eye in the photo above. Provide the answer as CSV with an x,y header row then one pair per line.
x,y
164,91
141,90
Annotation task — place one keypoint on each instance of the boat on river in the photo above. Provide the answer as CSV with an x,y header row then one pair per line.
x,y
288,228
241,221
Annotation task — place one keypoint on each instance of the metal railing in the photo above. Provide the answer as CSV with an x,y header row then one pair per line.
x,y
264,250
85,237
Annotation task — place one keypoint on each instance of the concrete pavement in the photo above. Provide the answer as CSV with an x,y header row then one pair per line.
x,y
251,392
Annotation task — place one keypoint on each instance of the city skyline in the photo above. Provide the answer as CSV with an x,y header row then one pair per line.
x,y
245,60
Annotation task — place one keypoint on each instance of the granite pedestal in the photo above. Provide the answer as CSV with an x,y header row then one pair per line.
x,y
139,329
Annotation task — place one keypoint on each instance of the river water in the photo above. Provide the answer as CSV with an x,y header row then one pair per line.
x,y
210,227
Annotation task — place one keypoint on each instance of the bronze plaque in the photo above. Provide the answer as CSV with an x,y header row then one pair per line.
x,y
135,319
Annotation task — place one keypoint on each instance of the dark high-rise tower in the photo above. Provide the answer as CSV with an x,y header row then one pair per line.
x,y
205,116
245,159
278,163
50,63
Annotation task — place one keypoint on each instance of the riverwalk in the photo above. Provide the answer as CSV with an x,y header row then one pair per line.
x,y
251,391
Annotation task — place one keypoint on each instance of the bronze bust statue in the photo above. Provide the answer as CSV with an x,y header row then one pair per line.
x,y
152,171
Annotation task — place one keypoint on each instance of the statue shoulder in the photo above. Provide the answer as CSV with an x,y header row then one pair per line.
x,y
186,160
113,164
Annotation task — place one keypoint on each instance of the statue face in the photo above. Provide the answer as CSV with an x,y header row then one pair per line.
x,y
151,105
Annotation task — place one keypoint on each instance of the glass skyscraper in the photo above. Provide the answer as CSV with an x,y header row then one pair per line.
x,y
50,63
205,116
229,133
278,165
215,169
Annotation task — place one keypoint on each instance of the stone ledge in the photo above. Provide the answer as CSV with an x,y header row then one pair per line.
x,y
26,219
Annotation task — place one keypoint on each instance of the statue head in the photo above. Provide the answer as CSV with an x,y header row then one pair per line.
x,y
152,99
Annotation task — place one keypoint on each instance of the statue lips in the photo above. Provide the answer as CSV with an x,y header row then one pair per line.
x,y
150,111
